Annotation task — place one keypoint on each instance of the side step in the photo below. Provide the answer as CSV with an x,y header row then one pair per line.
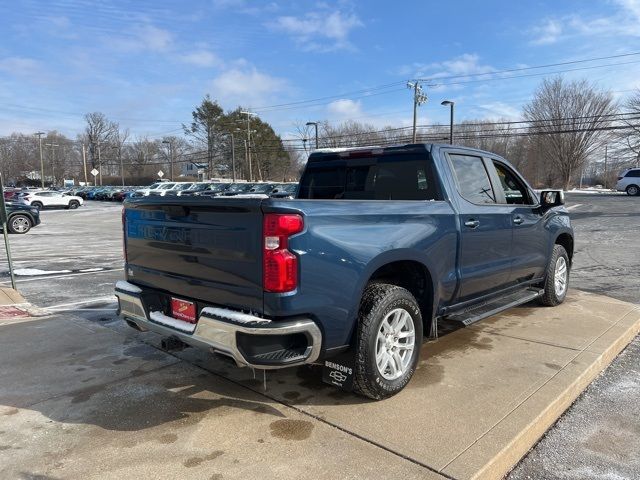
x,y
484,310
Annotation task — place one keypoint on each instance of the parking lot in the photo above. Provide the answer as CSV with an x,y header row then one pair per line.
x,y
106,402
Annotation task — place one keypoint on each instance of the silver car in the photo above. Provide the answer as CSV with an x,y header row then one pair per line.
x,y
629,181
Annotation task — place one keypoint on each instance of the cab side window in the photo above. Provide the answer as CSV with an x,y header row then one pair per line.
x,y
472,178
515,192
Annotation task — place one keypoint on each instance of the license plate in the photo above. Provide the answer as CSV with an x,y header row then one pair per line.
x,y
183,310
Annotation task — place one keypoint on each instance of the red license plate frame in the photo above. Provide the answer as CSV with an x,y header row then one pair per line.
x,y
183,310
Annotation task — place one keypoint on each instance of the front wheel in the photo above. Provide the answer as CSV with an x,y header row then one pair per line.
x,y
19,224
556,282
73,204
633,190
389,340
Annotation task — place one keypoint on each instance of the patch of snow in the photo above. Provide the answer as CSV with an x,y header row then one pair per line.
x,y
92,269
30,272
127,287
163,319
593,191
237,317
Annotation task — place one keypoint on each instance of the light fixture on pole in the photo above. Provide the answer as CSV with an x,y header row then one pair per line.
x,y
39,135
170,143
315,124
249,115
451,105
419,97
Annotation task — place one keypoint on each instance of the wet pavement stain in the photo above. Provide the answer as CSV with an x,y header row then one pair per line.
x,y
216,476
120,362
13,411
86,394
168,438
195,461
553,366
291,429
291,395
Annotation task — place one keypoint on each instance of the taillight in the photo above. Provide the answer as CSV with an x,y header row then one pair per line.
x,y
280,266
124,235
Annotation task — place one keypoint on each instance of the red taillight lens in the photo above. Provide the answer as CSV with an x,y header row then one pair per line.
x,y
280,266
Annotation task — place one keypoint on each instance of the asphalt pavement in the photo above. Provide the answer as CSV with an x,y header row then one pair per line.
x,y
71,262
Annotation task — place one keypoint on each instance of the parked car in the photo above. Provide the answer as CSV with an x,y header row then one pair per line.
x,y
21,218
178,188
284,190
209,190
379,245
629,181
237,188
46,199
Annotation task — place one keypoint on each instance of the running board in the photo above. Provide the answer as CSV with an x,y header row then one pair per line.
x,y
486,309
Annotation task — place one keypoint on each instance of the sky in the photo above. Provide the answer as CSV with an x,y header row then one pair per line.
x,y
147,64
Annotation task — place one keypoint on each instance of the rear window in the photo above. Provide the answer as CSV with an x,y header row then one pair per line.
x,y
387,177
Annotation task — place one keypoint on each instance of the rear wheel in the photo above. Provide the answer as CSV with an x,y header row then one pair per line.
x,y
37,205
73,204
19,224
633,190
389,340
556,282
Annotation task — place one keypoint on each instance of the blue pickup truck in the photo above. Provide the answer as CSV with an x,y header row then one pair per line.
x,y
379,245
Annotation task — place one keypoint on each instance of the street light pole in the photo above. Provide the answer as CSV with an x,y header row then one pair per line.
x,y
315,124
39,134
233,156
451,105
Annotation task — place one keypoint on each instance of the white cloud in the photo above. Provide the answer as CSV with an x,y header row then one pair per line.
x,y
201,58
319,31
144,37
466,64
547,33
19,66
500,110
623,22
345,109
245,85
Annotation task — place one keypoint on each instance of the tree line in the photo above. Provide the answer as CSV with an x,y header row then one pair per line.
x,y
566,129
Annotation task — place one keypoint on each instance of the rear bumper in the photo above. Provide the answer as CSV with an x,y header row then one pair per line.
x,y
249,340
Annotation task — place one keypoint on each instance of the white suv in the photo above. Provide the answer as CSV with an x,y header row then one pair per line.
x,y
50,199
629,181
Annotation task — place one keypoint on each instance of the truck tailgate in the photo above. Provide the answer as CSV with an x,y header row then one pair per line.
x,y
197,248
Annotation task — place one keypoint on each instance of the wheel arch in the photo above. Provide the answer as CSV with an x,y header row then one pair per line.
x,y
565,239
407,271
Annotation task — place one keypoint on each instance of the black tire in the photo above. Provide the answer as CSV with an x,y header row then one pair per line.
x,y
73,204
378,301
37,205
19,224
551,297
633,190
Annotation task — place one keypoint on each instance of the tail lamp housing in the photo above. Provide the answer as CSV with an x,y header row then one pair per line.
x,y
280,265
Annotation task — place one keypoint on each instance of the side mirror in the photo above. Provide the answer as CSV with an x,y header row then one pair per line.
x,y
551,198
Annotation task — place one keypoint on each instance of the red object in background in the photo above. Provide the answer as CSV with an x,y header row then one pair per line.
x,y
183,310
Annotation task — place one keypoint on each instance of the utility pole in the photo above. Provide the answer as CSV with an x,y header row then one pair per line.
x,y
249,114
170,158
53,160
233,156
605,166
246,157
39,134
119,149
84,163
99,164
419,97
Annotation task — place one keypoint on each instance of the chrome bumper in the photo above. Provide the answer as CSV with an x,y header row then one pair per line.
x,y
217,328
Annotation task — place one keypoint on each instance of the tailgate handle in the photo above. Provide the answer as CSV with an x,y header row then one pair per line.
x,y
175,211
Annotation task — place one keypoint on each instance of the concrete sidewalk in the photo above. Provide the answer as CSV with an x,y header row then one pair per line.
x,y
9,296
79,400
12,305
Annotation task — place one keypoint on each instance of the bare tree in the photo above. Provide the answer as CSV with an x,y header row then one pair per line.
x,y
631,138
569,119
99,132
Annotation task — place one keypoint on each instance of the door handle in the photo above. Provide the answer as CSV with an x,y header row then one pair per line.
x,y
518,220
471,223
